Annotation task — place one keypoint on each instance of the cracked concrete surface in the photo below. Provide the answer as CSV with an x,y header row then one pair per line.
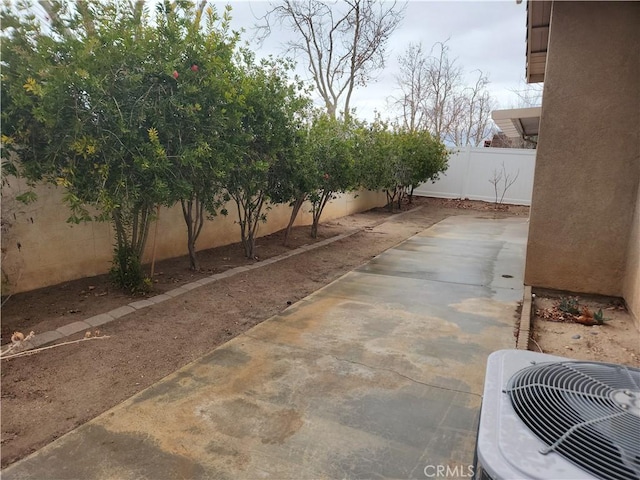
x,y
377,375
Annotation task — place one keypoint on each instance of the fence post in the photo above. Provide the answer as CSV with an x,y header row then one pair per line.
x,y
465,177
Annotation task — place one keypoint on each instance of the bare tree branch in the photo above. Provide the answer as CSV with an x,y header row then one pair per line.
x,y
344,43
529,94
412,81
53,9
433,97
87,17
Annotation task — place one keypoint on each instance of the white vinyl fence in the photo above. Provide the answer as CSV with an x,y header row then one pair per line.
x,y
472,169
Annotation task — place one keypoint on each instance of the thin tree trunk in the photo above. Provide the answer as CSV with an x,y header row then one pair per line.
x,y
153,250
200,218
132,229
255,219
242,219
294,213
317,212
143,231
402,192
248,216
353,71
390,199
187,214
119,228
193,259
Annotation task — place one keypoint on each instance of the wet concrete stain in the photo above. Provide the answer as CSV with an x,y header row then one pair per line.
x,y
401,461
493,310
450,348
173,389
382,462
381,324
170,389
357,306
410,415
228,356
231,458
270,424
106,454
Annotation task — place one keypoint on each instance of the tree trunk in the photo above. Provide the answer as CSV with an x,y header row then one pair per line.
x,y
390,199
132,228
317,212
402,193
155,239
254,216
193,214
243,218
249,213
193,259
294,213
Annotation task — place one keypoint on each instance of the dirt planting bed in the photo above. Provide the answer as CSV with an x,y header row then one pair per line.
x,y
564,325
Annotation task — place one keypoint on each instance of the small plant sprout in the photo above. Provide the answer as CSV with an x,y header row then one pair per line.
x,y
569,305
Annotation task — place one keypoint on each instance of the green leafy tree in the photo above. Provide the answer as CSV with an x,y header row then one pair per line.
x,y
331,147
189,128
80,97
423,158
293,176
320,166
396,161
375,162
262,130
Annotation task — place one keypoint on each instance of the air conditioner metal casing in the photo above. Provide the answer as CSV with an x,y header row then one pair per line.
x,y
506,448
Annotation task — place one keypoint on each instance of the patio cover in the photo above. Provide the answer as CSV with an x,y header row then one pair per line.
x,y
518,122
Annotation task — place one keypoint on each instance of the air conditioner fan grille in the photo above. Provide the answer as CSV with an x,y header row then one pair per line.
x,y
585,411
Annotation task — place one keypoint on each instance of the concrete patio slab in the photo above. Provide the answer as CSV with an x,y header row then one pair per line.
x,y
377,375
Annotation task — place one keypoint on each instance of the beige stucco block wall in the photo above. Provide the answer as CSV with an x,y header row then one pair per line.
x,y
587,165
224,230
631,290
39,247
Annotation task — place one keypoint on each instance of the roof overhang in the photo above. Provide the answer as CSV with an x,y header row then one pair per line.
x,y
538,21
518,122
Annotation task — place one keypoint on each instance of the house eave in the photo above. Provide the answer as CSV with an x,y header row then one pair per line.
x,y
538,21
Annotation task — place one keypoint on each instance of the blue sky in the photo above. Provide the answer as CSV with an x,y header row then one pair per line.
x,y
483,35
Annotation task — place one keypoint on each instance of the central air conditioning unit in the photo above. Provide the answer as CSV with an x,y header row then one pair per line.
x,y
546,417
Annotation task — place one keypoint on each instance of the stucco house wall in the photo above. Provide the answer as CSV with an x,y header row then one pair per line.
x,y
631,287
583,235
